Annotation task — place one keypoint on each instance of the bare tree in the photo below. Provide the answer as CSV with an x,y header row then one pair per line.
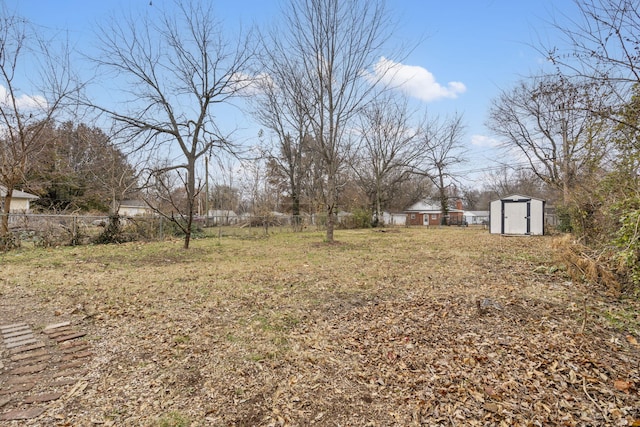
x,y
442,149
280,107
332,43
506,180
602,44
177,69
27,60
548,121
388,146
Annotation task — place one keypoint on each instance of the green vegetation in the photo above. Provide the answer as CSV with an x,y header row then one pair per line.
x,y
173,419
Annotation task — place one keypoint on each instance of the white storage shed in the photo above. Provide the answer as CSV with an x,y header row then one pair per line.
x,y
517,215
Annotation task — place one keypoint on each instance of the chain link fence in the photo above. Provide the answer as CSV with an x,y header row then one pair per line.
x,y
48,230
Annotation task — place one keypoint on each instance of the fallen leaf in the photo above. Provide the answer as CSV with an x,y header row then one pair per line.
x,y
622,385
491,392
632,340
491,407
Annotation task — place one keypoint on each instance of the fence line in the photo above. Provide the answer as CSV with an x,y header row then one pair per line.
x,y
67,230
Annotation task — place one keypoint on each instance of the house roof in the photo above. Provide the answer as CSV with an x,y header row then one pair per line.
x,y
476,213
17,194
428,206
133,204
222,212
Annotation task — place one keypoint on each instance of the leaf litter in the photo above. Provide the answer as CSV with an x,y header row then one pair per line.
x,y
418,327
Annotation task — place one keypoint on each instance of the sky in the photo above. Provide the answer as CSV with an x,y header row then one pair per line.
x,y
465,51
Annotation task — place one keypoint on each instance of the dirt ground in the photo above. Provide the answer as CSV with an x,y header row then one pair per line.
x,y
444,327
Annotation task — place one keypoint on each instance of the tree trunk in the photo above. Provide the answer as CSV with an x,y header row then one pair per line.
x,y
331,205
444,201
295,210
376,219
295,202
330,223
191,195
4,230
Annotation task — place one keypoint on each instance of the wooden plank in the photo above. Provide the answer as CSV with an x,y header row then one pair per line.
x,y
20,343
29,369
60,332
74,373
28,355
24,379
22,414
56,326
77,346
41,398
16,388
22,337
6,328
77,355
16,334
70,337
34,360
27,348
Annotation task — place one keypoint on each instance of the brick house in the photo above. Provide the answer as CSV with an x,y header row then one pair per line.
x,y
428,212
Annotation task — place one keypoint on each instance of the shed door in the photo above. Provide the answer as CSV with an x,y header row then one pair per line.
x,y
516,218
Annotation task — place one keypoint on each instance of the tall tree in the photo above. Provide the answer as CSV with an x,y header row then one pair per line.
x,y
280,107
549,121
505,181
332,43
387,148
81,169
35,84
602,44
174,71
442,149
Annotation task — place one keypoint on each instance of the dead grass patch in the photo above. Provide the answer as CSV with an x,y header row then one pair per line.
x,y
417,327
586,264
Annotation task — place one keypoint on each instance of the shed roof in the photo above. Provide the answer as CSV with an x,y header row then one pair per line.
x,y
17,194
519,197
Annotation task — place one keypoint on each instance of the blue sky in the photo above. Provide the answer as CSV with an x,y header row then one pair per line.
x,y
470,49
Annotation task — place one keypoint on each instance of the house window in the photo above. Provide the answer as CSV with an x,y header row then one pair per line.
x,y
413,216
434,216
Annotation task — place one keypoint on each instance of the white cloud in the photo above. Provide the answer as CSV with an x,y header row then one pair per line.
x,y
23,101
484,141
248,85
415,81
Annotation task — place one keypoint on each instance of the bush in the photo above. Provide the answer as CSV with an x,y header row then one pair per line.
x,y
8,242
113,232
627,241
362,218
564,219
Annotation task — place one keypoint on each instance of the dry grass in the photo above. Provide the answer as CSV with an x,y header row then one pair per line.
x,y
417,327
585,264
